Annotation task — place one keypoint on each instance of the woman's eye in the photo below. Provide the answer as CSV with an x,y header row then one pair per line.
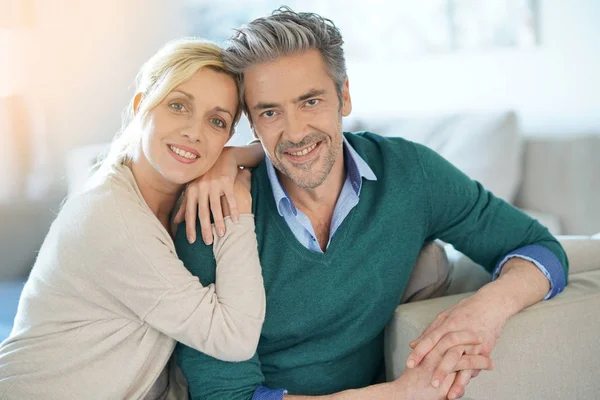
x,y
312,102
218,123
177,107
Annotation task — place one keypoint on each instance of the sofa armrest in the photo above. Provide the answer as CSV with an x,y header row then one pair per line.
x,y
549,351
583,252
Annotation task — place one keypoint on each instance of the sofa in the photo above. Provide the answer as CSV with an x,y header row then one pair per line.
x,y
555,179
548,351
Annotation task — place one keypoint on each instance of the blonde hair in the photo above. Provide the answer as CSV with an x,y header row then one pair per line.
x,y
172,65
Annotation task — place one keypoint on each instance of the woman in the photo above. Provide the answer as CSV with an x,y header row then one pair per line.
x,y
107,298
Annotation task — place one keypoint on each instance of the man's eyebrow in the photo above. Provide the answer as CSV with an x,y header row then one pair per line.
x,y
264,106
309,94
221,109
306,96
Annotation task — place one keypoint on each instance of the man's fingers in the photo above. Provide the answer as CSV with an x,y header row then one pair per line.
x,y
447,365
460,383
217,213
434,325
457,338
425,345
474,362
451,347
442,341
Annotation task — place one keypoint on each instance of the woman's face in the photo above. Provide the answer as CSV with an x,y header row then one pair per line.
x,y
183,136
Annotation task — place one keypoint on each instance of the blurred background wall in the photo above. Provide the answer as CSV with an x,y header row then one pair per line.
x,y
66,69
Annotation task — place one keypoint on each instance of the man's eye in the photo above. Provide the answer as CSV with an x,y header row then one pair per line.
x,y
177,107
312,102
269,113
218,123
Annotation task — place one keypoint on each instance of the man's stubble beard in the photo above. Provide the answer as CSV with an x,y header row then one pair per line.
x,y
330,157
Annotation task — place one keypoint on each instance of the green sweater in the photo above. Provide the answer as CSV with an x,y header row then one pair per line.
x,y
326,313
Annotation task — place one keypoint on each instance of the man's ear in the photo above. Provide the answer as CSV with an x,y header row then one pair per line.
x,y
346,99
136,103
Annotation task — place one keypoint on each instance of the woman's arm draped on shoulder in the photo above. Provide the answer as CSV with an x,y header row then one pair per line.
x,y
249,156
202,195
142,271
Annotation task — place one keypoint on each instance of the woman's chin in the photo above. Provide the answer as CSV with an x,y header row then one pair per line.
x,y
179,173
182,177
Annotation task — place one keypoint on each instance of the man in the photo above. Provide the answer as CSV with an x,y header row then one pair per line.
x,y
340,220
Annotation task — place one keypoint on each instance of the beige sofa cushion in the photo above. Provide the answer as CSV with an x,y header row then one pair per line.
x,y
560,177
486,146
549,351
583,252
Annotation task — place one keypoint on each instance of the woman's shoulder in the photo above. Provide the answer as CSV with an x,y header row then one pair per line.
x,y
107,206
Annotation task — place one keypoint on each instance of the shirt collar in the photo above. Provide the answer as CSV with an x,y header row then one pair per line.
x,y
356,168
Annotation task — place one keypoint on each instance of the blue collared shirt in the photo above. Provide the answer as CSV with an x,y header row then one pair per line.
x,y
357,169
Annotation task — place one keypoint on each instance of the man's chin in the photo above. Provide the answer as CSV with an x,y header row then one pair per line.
x,y
308,181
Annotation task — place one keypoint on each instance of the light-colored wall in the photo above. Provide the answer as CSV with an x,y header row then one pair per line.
x,y
75,67
83,59
88,55
555,88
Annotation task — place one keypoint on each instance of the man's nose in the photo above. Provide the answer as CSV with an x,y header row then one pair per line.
x,y
296,128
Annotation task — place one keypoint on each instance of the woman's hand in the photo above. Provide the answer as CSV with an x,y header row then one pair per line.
x,y
203,195
241,191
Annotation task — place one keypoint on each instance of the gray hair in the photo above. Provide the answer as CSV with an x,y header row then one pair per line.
x,y
286,32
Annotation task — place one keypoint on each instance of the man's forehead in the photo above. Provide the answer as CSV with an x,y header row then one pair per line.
x,y
286,78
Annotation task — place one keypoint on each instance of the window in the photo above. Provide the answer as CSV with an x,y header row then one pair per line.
x,y
378,30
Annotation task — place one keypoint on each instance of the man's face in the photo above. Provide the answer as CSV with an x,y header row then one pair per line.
x,y
296,113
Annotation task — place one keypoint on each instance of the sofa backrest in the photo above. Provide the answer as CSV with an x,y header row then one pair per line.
x,y
557,178
561,176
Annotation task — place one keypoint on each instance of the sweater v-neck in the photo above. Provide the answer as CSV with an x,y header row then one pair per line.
x,y
288,236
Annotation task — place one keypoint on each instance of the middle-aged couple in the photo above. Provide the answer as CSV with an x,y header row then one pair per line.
x,y
316,250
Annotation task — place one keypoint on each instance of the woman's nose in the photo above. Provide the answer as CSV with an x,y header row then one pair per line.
x,y
193,132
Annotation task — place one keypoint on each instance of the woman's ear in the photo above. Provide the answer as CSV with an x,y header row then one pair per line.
x,y
136,103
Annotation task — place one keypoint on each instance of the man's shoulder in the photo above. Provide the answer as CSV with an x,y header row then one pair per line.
x,y
197,257
385,152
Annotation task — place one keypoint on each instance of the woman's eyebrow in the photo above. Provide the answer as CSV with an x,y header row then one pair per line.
x,y
221,109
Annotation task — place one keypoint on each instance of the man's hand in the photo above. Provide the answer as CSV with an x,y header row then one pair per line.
x,y
416,382
520,285
203,195
473,326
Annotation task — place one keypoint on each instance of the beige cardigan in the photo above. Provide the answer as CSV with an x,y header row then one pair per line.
x,y
108,298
